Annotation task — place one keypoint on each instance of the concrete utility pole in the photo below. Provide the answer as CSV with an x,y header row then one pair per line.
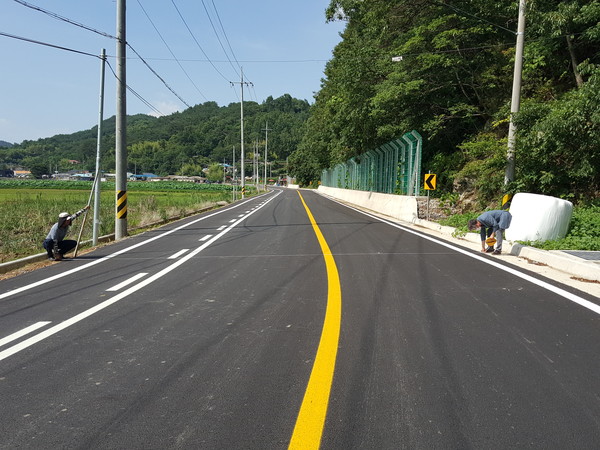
x,y
96,224
266,130
509,175
243,174
121,128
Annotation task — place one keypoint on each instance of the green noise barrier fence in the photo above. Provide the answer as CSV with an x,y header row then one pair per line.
x,y
393,168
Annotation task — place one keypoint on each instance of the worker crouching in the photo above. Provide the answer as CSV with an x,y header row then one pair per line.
x,y
491,225
55,243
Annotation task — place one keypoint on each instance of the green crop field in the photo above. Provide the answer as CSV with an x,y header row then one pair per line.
x,y
28,208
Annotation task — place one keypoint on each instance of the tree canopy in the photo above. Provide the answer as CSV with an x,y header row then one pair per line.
x,y
452,82
182,142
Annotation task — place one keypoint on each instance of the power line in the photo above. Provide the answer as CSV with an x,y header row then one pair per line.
x,y
455,8
47,44
130,89
217,35
225,34
171,51
65,19
86,54
158,76
196,41
72,22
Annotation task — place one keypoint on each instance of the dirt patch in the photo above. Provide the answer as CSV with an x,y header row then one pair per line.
x,y
437,209
584,280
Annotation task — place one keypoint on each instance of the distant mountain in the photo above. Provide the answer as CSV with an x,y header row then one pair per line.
x,y
5,144
198,136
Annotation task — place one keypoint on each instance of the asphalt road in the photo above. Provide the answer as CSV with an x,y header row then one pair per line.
x,y
253,327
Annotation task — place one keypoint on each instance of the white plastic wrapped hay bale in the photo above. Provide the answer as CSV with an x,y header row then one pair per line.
x,y
538,218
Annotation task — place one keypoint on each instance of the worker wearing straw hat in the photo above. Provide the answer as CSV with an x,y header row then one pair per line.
x,y
55,243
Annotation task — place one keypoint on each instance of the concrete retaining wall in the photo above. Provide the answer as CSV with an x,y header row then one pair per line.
x,y
400,207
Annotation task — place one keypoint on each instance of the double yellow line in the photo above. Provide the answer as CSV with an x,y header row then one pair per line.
x,y
311,418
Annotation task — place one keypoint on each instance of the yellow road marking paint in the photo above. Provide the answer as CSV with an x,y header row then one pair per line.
x,y
311,418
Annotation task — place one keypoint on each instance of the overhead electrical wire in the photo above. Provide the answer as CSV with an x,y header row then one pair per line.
x,y
72,22
252,91
171,51
196,41
456,8
33,41
225,34
65,19
130,89
218,38
47,44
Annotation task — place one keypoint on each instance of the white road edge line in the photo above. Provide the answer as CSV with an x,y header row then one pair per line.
x,y
569,296
112,255
179,253
105,304
22,332
127,282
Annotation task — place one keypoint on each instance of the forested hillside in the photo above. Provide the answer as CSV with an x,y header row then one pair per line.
x,y
179,143
453,84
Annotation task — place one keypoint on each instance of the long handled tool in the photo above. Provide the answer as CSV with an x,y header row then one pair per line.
x,y
85,214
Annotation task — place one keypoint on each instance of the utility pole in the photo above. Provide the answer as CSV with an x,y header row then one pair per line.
x,y
509,175
97,176
243,175
233,176
266,130
121,127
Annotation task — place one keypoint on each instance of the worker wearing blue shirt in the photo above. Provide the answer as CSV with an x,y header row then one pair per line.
x,y
491,224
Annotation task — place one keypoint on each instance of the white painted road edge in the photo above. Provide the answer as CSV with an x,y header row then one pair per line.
x,y
112,255
83,315
488,260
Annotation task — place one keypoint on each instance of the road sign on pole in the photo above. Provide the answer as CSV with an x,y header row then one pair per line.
x,y
430,181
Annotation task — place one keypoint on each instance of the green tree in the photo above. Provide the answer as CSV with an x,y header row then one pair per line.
x,y
215,173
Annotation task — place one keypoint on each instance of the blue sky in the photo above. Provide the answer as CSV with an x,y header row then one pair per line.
x,y
282,46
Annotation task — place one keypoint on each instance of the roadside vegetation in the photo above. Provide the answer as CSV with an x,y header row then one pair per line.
x,y
29,208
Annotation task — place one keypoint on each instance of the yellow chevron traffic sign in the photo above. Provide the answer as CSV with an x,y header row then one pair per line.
x,y
430,181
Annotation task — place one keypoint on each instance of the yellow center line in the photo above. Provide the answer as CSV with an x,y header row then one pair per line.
x,y
311,418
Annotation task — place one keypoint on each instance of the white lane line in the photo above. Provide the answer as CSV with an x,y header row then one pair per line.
x,y
206,238
241,215
486,259
23,332
221,228
232,220
127,282
112,255
105,304
179,253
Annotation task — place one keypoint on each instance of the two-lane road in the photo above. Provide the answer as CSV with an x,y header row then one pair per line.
x,y
289,318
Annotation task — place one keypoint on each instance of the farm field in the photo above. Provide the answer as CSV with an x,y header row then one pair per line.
x,y
29,208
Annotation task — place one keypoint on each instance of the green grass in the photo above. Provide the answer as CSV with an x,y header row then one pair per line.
x,y
28,210
583,233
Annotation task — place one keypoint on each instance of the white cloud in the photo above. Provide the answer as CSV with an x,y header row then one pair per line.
x,y
165,108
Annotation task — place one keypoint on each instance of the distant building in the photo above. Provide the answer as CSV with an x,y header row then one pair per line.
x,y
22,173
